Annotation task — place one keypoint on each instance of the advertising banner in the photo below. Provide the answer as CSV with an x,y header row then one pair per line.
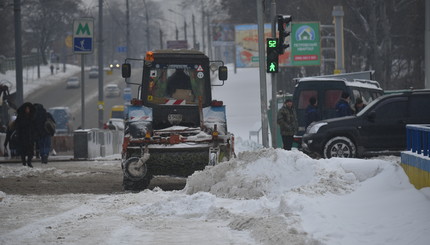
x,y
305,44
246,38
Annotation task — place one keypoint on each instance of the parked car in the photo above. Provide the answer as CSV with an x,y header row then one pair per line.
x,y
327,90
379,127
94,72
63,119
73,82
112,90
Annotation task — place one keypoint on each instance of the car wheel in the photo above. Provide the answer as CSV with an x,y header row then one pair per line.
x,y
340,147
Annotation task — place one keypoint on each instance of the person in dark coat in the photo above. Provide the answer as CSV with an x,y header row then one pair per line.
x,y
311,112
25,129
42,136
342,106
288,125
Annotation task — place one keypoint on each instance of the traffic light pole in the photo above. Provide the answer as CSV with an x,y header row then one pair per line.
x,y
263,85
274,78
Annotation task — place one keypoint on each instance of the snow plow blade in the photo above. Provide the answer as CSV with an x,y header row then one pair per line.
x,y
182,161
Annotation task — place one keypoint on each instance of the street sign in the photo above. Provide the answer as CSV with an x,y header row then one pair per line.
x,y
121,49
83,35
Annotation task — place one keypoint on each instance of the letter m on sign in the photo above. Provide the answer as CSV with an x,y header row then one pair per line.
x,y
83,30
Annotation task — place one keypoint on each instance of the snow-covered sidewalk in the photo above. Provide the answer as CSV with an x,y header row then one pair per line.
x,y
264,196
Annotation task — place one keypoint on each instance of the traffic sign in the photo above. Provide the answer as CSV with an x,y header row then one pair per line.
x,y
83,35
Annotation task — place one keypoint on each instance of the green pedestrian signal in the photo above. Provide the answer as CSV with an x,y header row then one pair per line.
x,y
272,61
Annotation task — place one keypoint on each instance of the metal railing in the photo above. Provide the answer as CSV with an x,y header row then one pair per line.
x,y
417,138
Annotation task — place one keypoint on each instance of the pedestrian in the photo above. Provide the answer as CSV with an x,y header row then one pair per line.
x,y
52,69
359,105
25,129
342,106
11,139
43,131
311,112
287,120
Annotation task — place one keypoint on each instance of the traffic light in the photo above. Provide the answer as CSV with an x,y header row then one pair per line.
x,y
272,62
283,22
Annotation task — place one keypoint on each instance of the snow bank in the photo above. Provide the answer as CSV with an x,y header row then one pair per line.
x,y
273,172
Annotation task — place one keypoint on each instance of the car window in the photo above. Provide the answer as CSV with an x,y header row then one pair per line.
x,y
393,108
356,93
420,107
331,98
304,97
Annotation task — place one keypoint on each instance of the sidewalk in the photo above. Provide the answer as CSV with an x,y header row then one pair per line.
x,y
57,158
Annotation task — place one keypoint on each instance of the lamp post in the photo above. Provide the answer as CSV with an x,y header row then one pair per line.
x,y
185,22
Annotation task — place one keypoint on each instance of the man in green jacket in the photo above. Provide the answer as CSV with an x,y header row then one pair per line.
x,y
287,120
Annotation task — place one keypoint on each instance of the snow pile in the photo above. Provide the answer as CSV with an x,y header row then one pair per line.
x,y
273,172
265,196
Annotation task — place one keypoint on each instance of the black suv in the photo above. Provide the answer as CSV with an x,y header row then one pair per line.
x,y
380,126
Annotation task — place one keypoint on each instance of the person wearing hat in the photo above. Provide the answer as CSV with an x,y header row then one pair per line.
x,y
288,125
311,112
359,105
342,106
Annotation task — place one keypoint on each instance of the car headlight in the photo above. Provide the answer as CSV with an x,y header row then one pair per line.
x,y
313,128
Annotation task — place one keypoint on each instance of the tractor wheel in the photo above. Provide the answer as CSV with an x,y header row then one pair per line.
x,y
135,177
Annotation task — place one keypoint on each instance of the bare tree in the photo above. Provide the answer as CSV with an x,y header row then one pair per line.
x,y
47,20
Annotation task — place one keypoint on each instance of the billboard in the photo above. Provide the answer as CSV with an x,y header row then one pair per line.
x,y
246,39
305,44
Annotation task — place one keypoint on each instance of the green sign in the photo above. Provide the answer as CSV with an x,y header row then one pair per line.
x,y
306,44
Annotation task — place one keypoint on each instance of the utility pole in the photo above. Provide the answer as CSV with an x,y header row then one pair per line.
x,y
18,54
274,76
263,85
128,29
100,104
338,30
209,37
427,46
194,32
203,27
147,27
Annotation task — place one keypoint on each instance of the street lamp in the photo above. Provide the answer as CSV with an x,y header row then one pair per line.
x,y
185,23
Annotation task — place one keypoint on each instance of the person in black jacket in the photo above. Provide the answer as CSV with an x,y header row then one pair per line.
x,y
311,112
42,132
24,126
342,106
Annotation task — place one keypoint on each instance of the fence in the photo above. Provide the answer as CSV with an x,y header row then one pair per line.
x,y
93,143
416,160
9,63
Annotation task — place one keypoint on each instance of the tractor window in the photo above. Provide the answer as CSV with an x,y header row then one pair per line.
x,y
176,84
